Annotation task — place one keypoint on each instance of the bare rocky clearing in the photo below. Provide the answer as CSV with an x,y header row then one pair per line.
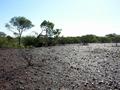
x,y
69,67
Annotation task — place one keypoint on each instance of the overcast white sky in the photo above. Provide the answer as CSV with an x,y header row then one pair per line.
x,y
74,17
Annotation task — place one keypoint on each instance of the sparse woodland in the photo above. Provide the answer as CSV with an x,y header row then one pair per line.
x,y
48,36
86,62
60,45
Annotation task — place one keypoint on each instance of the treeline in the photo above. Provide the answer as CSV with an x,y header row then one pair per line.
x,y
33,41
47,37
84,40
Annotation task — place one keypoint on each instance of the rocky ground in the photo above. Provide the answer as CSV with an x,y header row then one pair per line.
x,y
69,67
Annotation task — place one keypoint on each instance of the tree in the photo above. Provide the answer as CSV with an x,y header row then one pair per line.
x,y
20,24
2,34
88,39
111,36
50,33
29,41
104,39
47,27
56,34
115,38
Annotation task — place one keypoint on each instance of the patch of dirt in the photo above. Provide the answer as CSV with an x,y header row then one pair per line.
x,y
69,67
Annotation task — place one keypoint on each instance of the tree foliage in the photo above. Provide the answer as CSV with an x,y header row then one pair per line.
x,y
104,39
2,34
47,27
48,36
18,25
88,39
48,33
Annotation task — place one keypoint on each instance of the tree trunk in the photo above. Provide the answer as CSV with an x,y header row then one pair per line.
x,y
46,39
19,40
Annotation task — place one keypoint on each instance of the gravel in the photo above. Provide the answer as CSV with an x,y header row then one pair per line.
x,y
68,67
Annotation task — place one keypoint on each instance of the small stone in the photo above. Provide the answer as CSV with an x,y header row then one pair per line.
x,y
37,89
21,82
49,89
77,68
71,67
20,88
115,71
48,73
101,82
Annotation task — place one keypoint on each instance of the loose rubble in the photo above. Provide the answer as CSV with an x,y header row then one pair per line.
x,y
68,67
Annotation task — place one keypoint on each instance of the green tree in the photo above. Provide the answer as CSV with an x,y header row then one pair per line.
x,y
29,41
2,34
115,38
104,39
48,32
56,33
47,27
111,36
20,24
89,39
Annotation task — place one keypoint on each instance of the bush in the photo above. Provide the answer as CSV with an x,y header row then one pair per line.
x,y
89,39
6,42
68,40
104,40
3,42
29,41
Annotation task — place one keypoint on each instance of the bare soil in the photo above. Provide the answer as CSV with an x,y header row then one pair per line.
x,y
68,67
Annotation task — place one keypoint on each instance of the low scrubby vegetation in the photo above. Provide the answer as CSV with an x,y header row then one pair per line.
x,y
47,37
32,41
8,42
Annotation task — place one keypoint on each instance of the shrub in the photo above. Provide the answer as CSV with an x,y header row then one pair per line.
x,y
89,39
6,42
29,41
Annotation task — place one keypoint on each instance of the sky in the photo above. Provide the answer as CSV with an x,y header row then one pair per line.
x,y
74,17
